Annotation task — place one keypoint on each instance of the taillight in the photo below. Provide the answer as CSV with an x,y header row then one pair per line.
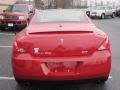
x,y
105,45
17,48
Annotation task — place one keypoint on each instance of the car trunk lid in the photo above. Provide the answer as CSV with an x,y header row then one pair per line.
x,y
61,42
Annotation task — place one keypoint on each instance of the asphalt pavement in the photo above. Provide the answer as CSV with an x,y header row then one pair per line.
x,y
110,26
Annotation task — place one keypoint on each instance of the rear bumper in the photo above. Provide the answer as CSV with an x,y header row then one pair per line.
x,y
15,24
31,68
95,15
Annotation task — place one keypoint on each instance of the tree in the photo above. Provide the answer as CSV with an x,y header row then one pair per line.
x,y
37,3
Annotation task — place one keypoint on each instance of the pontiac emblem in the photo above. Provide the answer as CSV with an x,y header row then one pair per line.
x,y
36,50
61,41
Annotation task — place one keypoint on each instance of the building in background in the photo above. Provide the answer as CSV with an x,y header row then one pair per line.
x,y
5,3
52,4
112,3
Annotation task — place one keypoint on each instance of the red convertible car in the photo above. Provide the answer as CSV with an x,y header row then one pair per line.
x,y
61,45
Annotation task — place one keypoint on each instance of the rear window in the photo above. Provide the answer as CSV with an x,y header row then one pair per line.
x,y
60,16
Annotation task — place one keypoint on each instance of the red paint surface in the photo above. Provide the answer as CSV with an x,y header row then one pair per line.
x,y
78,56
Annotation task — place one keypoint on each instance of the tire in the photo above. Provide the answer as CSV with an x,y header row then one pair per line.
x,y
92,17
22,82
103,16
101,80
19,81
113,15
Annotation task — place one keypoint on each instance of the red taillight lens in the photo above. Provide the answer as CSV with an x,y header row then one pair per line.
x,y
17,48
105,45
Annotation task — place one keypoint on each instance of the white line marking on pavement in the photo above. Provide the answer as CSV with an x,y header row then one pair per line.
x,y
7,78
7,34
5,46
110,77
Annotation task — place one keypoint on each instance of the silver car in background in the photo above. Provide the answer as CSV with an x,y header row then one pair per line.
x,y
102,12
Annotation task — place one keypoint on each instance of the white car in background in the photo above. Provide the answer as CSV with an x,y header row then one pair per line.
x,y
88,10
102,12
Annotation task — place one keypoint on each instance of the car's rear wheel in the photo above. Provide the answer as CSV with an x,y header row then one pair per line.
x,y
101,80
103,16
22,82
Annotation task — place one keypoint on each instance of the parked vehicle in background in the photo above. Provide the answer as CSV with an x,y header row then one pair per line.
x,y
61,45
89,9
102,12
17,16
118,11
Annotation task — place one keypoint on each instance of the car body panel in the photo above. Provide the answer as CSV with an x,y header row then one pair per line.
x,y
56,34
35,68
